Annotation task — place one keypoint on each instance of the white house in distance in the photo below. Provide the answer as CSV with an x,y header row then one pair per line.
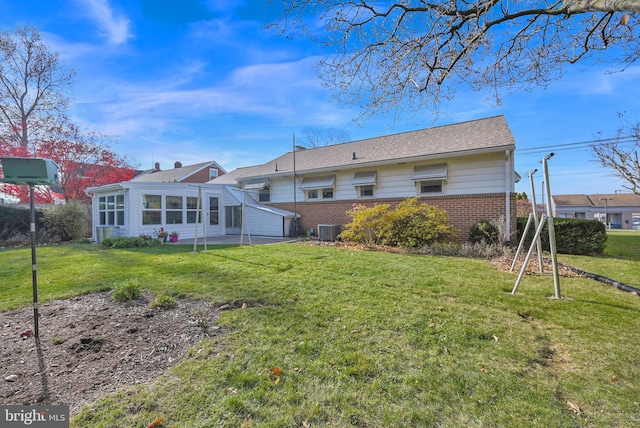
x,y
617,210
467,169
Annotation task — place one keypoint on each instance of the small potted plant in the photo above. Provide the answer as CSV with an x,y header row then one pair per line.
x,y
173,236
161,234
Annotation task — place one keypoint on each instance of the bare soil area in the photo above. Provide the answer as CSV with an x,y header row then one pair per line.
x,y
90,345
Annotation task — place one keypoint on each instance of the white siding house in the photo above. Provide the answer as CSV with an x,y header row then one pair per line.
x,y
466,169
136,208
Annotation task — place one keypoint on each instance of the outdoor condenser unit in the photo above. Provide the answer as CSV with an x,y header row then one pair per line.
x,y
328,232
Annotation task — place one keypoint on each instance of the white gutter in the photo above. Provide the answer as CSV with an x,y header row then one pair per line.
x,y
507,194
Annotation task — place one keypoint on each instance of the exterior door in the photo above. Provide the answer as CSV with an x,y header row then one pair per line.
x,y
212,214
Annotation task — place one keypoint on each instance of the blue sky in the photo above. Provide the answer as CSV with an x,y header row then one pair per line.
x,y
197,80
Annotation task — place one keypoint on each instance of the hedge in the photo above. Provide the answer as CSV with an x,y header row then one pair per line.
x,y
15,223
573,236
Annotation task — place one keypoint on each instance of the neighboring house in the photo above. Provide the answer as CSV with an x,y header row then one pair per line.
x,y
467,169
174,200
617,210
198,173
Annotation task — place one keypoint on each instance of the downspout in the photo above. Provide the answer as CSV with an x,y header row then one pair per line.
x,y
507,194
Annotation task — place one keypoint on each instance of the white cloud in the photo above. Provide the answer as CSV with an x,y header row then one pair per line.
x,y
114,26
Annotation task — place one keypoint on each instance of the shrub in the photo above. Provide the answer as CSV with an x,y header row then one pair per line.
x,y
365,223
15,224
410,224
65,222
163,301
130,242
573,236
484,231
127,290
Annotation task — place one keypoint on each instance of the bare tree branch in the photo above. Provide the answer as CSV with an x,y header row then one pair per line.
x,y
318,137
32,88
621,155
415,54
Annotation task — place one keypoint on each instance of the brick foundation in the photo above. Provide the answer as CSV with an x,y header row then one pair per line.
x,y
463,210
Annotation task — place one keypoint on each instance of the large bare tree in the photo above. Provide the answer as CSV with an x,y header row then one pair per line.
x,y
319,137
33,87
34,122
414,54
621,155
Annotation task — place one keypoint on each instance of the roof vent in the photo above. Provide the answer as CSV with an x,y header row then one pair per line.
x,y
354,156
157,165
178,165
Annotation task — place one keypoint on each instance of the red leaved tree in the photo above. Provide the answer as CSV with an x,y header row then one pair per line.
x,y
34,123
83,161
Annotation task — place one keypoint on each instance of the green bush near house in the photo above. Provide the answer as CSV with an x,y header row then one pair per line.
x,y
365,224
484,231
65,222
411,224
141,241
573,236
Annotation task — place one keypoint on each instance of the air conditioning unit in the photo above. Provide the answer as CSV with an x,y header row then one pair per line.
x,y
328,232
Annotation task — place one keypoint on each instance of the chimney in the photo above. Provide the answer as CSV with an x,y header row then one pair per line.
x,y
178,165
157,166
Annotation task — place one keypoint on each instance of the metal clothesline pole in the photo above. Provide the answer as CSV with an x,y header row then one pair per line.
x,y
552,233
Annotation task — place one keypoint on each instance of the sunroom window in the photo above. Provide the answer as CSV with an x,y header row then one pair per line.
x,y
174,209
111,210
192,210
151,209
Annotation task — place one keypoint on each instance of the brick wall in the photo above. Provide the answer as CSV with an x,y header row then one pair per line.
x,y
201,176
463,210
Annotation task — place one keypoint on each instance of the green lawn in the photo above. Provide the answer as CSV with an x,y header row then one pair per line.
x,y
367,338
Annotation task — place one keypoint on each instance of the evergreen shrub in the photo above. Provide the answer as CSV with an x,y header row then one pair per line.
x,y
573,236
484,231
65,222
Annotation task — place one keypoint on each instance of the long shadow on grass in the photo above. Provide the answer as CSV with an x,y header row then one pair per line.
x,y
593,302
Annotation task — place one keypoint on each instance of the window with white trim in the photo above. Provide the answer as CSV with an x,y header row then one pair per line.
x,y
213,173
318,187
173,210
111,210
430,179
365,182
151,209
192,210
261,187
233,217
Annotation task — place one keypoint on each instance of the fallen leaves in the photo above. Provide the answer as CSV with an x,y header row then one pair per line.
x,y
275,374
156,422
574,407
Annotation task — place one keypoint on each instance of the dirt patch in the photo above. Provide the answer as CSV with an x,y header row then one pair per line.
x,y
90,345
504,264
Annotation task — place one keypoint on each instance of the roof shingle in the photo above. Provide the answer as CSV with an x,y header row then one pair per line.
x,y
489,134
